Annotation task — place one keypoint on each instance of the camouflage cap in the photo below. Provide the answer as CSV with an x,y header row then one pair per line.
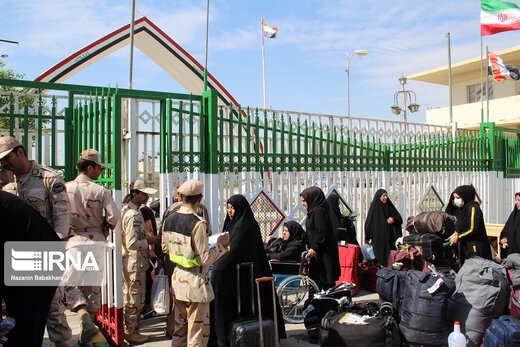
x,y
139,185
93,155
7,144
191,188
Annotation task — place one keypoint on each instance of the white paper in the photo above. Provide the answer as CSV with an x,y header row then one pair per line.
x,y
213,239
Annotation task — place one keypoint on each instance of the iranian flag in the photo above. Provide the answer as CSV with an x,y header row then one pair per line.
x,y
497,16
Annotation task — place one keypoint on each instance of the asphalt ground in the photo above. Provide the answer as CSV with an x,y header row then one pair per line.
x,y
155,326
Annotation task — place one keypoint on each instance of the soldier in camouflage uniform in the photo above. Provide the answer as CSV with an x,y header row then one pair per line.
x,y
91,205
135,259
44,190
185,239
167,264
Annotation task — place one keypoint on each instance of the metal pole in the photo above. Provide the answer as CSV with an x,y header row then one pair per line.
x,y
481,81
207,34
131,140
487,84
131,46
404,110
263,59
449,77
348,99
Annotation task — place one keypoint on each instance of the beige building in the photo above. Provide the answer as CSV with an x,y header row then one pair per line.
x,y
504,101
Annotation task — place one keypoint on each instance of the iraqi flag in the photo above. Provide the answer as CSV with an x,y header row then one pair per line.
x,y
269,31
501,71
497,16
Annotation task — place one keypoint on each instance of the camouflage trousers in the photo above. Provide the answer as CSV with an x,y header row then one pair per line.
x,y
191,324
134,288
57,326
84,296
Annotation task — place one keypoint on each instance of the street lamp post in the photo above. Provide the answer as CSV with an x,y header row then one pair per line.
x,y
413,106
360,52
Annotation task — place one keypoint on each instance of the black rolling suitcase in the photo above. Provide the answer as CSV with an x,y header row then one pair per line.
x,y
254,331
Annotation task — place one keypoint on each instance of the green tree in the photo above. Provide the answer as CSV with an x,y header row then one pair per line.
x,y
4,98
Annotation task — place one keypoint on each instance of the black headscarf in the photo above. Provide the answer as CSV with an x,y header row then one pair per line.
x,y
467,193
382,234
338,220
295,231
245,245
511,230
336,217
245,239
314,197
451,209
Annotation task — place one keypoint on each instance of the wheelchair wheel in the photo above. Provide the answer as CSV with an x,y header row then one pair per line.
x,y
293,292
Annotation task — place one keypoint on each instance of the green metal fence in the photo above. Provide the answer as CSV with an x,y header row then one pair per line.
x,y
258,142
195,135
505,144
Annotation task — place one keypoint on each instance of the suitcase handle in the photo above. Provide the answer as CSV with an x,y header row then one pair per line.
x,y
275,315
264,279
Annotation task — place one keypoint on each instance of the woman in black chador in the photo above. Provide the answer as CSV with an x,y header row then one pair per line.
x,y
245,243
510,233
383,226
343,227
290,246
323,248
470,228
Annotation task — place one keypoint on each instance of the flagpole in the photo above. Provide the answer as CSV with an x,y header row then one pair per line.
x,y
481,81
263,60
207,34
487,83
448,36
131,65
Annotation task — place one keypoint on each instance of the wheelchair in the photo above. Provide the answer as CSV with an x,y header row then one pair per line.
x,y
294,287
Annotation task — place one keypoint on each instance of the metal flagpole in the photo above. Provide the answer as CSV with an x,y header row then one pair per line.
x,y
131,137
487,83
449,77
263,59
481,81
131,46
207,34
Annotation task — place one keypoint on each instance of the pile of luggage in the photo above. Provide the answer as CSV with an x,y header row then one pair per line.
x,y
423,293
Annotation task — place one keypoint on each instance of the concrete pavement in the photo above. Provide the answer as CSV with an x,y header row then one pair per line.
x,y
296,333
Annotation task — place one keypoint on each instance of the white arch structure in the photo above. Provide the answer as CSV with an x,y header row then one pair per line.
x,y
155,44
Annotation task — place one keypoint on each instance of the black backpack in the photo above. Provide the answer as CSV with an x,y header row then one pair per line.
x,y
424,312
390,287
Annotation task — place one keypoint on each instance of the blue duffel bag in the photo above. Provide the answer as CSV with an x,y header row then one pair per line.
x,y
504,331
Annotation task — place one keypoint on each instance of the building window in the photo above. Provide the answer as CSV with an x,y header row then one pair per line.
x,y
474,92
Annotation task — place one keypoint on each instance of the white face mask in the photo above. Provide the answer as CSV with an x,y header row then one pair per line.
x,y
458,202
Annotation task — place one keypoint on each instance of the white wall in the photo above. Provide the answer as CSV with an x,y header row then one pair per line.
x,y
504,111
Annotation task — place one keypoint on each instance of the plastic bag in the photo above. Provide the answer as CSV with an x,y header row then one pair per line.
x,y
368,252
161,293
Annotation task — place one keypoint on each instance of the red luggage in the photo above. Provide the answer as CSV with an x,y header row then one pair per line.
x,y
348,261
367,276
514,300
409,256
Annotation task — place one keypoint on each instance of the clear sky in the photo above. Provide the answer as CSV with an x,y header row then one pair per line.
x,y
305,63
